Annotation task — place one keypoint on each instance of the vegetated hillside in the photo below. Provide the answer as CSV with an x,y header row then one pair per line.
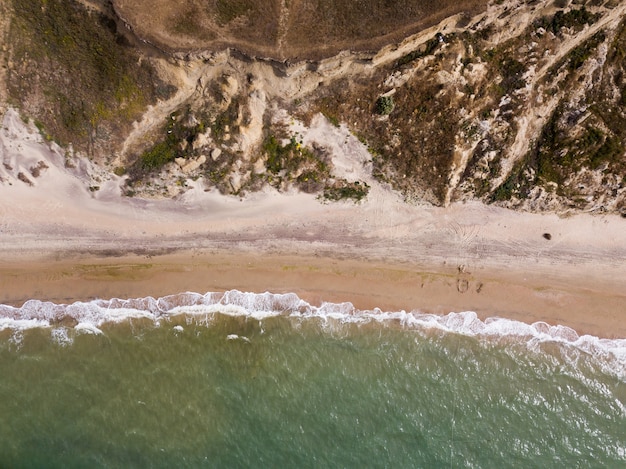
x,y
70,69
281,29
522,105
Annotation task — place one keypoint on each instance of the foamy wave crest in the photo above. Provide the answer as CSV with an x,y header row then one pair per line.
x,y
88,317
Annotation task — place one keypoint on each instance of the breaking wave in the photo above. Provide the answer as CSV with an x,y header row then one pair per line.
x,y
89,317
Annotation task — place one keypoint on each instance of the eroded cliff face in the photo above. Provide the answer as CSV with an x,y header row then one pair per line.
x,y
522,105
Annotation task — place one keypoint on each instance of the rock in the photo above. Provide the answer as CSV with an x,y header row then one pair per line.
x,y
194,164
181,161
259,166
235,182
215,154
231,85
201,140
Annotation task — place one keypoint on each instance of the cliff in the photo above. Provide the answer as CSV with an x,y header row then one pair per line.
x,y
517,103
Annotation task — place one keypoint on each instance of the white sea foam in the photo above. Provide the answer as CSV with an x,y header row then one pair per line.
x,y
89,317
61,336
87,328
21,324
242,338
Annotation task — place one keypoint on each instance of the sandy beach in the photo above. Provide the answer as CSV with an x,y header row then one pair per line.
x,y
62,242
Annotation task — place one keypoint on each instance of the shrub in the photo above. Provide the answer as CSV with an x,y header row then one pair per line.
x,y
580,54
428,48
576,18
158,156
384,105
277,154
343,190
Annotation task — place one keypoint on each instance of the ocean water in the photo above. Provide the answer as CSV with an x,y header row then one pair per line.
x,y
260,380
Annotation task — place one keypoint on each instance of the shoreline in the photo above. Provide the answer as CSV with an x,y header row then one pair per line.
x,y
366,284
60,241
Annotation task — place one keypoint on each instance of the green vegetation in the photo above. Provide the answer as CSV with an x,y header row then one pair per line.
x,y
578,56
571,19
414,147
515,184
228,10
332,119
426,49
277,154
384,105
188,23
344,190
73,64
512,71
179,136
225,119
608,152
328,107
295,163
558,155
158,156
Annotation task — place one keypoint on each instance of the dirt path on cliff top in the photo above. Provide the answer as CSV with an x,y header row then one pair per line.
x,y
285,30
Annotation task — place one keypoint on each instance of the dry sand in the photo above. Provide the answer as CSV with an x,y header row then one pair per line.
x,y
59,241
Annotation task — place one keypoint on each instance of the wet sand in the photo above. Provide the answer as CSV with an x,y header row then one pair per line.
x,y
367,285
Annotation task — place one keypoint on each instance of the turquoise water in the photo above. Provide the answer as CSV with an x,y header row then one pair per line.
x,y
245,380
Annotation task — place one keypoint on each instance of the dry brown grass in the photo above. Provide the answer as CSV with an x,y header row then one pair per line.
x,y
302,29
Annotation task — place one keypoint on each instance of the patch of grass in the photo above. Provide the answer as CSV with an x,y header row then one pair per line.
x,y
311,181
544,157
188,23
158,156
176,131
512,71
228,10
333,119
609,152
384,105
225,119
344,190
75,74
558,155
277,154
328,107
515,184
309,168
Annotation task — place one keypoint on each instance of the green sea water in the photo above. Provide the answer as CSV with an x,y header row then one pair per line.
x,y
238,390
